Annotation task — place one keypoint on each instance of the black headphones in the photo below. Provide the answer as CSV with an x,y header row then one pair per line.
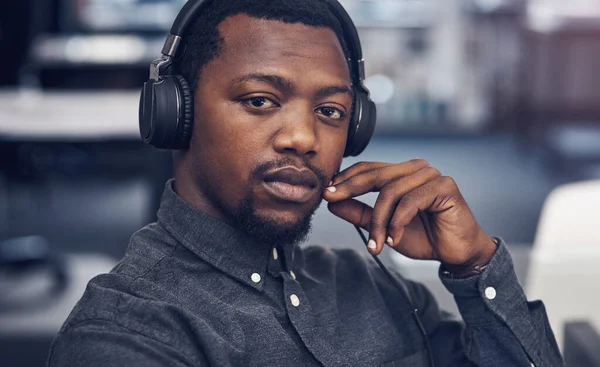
x,y
166,106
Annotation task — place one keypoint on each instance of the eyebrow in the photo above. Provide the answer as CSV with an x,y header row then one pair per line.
x,y
287,86
275,80
336,89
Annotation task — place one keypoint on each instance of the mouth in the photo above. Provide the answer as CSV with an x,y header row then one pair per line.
x,y
291,185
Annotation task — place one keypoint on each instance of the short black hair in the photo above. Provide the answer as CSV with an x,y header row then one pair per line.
x,y
203,42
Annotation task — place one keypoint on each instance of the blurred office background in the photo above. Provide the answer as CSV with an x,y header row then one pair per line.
x,y
502,95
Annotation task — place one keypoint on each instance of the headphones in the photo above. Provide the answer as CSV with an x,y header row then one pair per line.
x,y
166,104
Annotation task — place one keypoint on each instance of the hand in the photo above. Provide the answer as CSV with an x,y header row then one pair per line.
x,y
418,212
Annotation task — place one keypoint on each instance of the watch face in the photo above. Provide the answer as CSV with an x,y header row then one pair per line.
x,y
120,15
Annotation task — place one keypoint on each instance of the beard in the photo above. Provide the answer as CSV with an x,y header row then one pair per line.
x,y
270,231
264,229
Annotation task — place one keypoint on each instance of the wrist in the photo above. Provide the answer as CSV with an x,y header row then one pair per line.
x,y
475,266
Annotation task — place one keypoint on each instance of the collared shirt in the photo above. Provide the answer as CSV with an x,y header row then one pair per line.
x,y
194,291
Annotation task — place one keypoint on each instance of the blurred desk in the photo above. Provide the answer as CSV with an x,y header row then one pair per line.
x,y
75,170
69,115
25,336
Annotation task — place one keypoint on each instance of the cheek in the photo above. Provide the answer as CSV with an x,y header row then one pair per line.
x,y
333,147
225,150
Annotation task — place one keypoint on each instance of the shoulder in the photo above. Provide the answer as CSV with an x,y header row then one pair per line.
x,y
147,247
105,342
136,290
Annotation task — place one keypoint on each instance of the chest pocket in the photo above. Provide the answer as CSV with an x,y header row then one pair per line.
x,y
419,359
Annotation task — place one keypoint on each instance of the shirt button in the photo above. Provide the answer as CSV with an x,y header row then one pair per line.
x,y
275,254
293,275
295,300
490,293
255,278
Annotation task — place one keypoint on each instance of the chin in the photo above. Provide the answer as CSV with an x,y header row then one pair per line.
x,y
283,218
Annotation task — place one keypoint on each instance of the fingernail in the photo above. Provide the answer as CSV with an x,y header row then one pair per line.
x,y
390,241
372,245
331,189
330,183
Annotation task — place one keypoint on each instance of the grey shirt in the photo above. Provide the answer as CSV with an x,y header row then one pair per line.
x,y
194,291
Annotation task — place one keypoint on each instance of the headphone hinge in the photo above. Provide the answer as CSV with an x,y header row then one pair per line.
x,y
158,66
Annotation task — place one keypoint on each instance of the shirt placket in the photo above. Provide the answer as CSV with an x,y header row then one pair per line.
x,y
299,309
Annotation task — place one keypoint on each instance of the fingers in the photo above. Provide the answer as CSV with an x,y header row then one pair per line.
x,y
405,190
387,201
366,177
356,169
352,211
435,196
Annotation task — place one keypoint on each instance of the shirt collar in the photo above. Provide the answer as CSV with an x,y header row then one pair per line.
x,y
216,242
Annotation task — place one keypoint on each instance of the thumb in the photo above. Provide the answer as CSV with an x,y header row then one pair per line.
x,y
352,211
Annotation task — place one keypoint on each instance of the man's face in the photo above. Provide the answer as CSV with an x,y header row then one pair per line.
x,y
271,120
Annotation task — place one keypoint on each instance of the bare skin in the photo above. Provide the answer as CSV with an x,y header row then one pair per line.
x,y
279,94
418,212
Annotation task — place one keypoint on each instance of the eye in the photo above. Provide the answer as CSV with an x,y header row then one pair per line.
x,y
259,103
332,113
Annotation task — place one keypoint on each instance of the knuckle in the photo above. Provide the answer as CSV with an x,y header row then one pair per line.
x,y
418,162
394,226
407,200
432,171
361,165
374,173
352,181
386,195
401,220
447,181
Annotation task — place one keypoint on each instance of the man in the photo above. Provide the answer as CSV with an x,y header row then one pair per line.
x,y
220,279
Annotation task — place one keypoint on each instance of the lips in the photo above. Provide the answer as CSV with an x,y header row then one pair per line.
x,y
291,184
293,176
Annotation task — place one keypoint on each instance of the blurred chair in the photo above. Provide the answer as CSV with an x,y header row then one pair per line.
x,y
582,345
565,261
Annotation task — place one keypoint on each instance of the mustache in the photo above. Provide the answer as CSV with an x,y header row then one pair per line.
x,y
259,171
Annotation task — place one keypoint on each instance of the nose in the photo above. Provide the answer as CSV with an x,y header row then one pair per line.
x,y
298,133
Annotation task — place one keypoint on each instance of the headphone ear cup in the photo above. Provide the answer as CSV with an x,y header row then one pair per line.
x,y
166,113
159,112
186,123
362,125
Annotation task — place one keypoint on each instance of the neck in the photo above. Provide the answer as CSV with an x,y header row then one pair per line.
x,y
185,186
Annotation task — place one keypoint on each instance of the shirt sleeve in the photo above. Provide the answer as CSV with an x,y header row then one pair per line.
x,y
501,328
104,343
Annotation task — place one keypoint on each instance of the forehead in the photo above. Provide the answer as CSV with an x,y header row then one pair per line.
x,y
253,44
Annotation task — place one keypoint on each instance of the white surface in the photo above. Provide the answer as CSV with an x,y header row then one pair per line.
x,y
564,270
69,115
569,225
49,319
